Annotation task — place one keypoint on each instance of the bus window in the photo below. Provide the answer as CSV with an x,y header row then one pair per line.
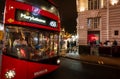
x,y
46,46
44,5
31,44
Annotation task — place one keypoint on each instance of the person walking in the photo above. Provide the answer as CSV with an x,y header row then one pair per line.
x,y
115,43
68,46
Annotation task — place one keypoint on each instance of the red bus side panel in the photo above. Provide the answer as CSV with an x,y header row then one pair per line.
x,y
25,69
19,66
37,69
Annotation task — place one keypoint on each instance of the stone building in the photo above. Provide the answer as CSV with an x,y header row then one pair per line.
x,y
98,20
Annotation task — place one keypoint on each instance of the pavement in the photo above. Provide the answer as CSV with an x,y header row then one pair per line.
x,y
102,60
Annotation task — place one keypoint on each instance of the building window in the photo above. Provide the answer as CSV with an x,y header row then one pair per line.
x,y
93,4
116,32
93,23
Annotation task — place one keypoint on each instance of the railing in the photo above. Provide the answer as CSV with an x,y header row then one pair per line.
x,y
113,51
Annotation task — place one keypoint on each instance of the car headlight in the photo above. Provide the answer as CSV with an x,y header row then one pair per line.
x,y
10,74
58,61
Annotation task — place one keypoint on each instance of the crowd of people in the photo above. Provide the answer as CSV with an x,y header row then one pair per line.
x,y
71,46
106,43
94,46
109,43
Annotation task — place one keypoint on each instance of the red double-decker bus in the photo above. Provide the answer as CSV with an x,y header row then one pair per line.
x,y
29,38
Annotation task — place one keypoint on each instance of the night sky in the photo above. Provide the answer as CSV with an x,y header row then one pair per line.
x,y
68,14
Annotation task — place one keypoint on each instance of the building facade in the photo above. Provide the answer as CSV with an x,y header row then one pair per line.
x,y
98,20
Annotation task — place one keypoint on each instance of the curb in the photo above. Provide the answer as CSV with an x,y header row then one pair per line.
x,y
93,62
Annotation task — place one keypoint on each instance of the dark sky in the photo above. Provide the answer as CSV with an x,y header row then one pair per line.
x,y
68,14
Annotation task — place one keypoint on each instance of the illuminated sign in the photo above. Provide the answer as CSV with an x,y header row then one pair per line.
x,y
25,16
35,11
32,18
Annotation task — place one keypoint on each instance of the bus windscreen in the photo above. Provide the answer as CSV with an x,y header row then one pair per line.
x,y
31,44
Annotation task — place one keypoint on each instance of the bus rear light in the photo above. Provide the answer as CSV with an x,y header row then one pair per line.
x,y
10,74
58,61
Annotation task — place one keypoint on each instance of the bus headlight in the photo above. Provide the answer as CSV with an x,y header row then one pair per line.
x,y
10,74
58,61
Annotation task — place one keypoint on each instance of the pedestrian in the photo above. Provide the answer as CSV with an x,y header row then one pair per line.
x,y
68,46
115,43
74,47
23,41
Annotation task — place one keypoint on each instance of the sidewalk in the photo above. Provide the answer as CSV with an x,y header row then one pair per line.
x,y
110,61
